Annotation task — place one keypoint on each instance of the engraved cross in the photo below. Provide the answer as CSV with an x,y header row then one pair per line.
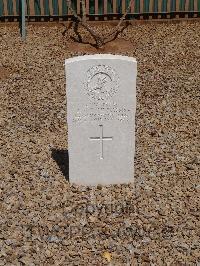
x,y
101,139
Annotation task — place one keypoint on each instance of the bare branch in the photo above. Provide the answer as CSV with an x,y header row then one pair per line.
x,y
83,11
116,31
69,4
125,14
97,38
100,40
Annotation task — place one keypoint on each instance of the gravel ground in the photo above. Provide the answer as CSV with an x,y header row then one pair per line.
x,y
47,221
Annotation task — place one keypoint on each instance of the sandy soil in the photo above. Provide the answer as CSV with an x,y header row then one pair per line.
x,y
47,221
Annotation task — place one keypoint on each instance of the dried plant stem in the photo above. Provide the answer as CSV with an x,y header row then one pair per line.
x,y
117,29
100,40
84,18
96,37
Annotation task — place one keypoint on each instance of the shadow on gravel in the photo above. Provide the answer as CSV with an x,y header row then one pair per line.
x,y
62,159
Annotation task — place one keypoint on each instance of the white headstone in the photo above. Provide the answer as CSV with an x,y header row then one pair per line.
x,y
101,105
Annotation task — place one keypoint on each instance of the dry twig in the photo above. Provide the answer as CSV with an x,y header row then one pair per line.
x,y
100,40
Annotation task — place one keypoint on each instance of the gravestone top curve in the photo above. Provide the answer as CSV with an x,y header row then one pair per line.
x,y
99,56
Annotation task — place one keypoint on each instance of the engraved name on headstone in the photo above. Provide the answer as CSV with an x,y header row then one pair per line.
x,y
101,105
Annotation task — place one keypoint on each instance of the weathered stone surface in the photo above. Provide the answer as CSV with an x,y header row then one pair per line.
x,y
101,104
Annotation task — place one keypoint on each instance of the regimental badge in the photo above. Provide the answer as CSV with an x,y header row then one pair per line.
x,y
102,82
